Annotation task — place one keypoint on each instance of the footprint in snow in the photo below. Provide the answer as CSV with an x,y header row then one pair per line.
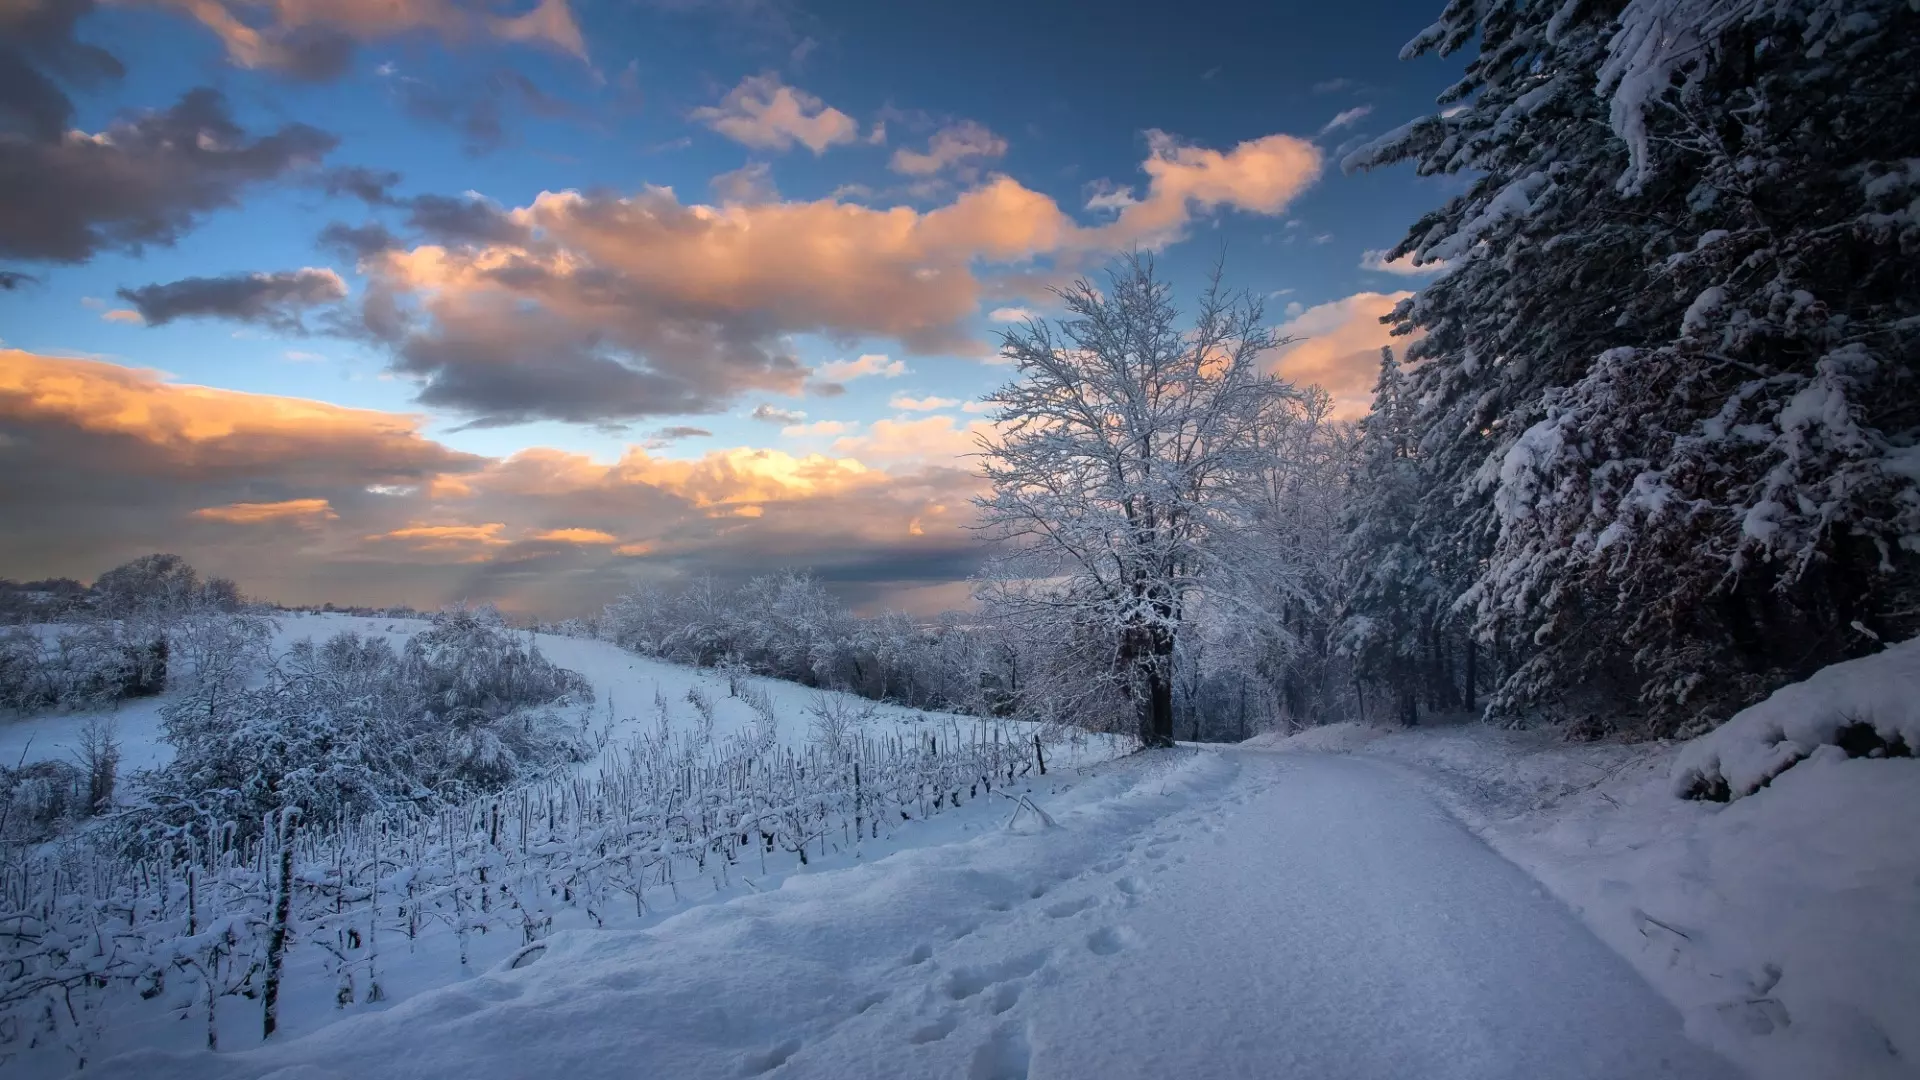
x,y
1069,907
940,1028
1004,1056
1109,940
965,982
765,1061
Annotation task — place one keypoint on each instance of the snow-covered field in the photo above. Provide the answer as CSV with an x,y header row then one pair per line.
x,y
1318,905
615,844
1208,913
1783,925
625,686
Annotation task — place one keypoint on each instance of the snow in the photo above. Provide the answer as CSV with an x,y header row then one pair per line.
x,y
1782,925
1748,752
1219,913
624,687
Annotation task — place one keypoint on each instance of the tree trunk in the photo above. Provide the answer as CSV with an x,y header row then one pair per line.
x,y
277,934
1473,652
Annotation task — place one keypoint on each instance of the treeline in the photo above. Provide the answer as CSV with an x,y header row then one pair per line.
x,y
787,625
1653,452
81,647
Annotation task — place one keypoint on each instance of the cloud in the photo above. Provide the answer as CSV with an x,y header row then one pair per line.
x,y
817,428
315,40
584,537
123,315
1336,86
191,427
978,407
925,404
769,414
1347,117
274,300
99,463
928,438
1377,262
468,543
296,511
682,432
146,179
1012,314
301,357
766,115
370,186
38,51
600,307
358,241
1339,348
964,143
1259,176
470,219
861,367
748,184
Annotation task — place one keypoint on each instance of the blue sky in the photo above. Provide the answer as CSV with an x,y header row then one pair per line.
x,y
603,344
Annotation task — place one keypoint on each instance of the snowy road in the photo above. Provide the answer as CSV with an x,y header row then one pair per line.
x,y
1230,913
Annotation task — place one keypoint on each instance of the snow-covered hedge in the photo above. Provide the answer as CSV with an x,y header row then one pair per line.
x,y
1866,707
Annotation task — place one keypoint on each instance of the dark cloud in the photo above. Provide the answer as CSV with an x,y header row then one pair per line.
x,y
358,241
275,299
371,186
506,366
448,220
773,414
148,181
682,432
478,108
13,279
37,47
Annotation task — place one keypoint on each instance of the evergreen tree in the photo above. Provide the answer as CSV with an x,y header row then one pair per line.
x,y
1666,394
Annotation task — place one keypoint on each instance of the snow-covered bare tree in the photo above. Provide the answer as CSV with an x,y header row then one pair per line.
x,y
1665,398
1119,451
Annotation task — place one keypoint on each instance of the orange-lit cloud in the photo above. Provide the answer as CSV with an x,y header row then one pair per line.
x,y
467,543
585,537
310,37
766,115
299,511
860,368
1260,176
598,307
187,425
958,144
927,438
921,404
1339,348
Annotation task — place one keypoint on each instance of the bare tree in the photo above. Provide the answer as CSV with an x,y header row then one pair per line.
x,y
1120,449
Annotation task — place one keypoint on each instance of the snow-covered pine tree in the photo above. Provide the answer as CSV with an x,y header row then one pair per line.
x,y
1666,392
1393,597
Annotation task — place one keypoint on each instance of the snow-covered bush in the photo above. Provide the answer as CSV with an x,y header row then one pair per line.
x,y
348,727
81,666
1868,707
